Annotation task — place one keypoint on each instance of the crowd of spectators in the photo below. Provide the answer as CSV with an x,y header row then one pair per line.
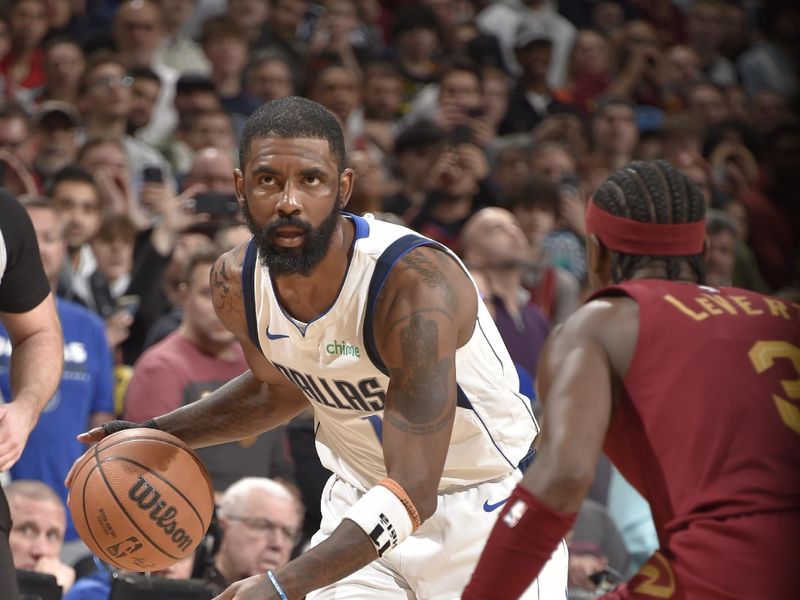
x,y
484,125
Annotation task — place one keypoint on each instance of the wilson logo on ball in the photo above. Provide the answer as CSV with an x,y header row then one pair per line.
x,y
164,515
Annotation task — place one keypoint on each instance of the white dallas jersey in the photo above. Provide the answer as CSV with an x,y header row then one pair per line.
x,y
337,366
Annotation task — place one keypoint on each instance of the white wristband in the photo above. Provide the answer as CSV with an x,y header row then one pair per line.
x,y
383,517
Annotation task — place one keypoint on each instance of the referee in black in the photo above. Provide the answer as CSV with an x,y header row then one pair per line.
x,y
28,312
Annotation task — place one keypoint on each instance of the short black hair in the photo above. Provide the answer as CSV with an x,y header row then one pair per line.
x,y
535,191
421,135
70,172
145,73
651,192
293,117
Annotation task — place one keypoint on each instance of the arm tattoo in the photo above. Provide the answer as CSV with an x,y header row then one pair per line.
x,y
432,275
227,295
420,386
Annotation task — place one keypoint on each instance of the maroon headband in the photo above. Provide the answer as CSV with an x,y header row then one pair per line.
x,y
648,239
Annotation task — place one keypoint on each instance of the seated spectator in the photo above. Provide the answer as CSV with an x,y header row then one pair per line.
x,y
261,522
493,242
37,533
84,396
194,360
416,37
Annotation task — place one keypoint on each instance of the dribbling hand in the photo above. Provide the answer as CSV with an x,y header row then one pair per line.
x,y
98,433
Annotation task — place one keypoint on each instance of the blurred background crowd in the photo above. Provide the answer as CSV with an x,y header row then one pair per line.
x,y
484,125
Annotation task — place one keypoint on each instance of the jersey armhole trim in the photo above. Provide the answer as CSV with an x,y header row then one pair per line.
x,y
248,292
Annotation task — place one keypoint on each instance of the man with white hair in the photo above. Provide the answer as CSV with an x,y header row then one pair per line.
x,y
261,521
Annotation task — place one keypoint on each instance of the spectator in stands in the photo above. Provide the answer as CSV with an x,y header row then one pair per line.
x,y
145,90
63,64
56,129
37,534
532,99
177,50
615,133
493,242
105,104
261,523
459,109
416,149
382,97
534,200
225,45
250,16
704,31
137,33
706,102
281,31
416,47
459,184
16,134
212,168
771,64
196,359
269,76
505,21
22,68
338,88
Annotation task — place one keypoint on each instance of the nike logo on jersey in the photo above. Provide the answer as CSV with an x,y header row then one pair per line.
x,y
275,336
492,507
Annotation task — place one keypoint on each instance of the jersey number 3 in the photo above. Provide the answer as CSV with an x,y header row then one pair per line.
x,y
763,355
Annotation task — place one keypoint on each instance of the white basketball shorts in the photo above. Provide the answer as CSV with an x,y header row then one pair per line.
x,y
436,562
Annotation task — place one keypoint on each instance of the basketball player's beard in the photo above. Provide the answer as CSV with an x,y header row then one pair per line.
x,y
293,261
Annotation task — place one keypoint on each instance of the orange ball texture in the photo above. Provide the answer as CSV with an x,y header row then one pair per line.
x,y
141,499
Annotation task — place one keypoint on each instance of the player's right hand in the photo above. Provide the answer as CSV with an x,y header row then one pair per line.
x,y
98,433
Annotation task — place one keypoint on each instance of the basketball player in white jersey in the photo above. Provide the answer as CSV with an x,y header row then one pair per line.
x,y
382,333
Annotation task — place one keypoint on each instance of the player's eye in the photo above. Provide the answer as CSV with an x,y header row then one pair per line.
x,y
312,180
266,180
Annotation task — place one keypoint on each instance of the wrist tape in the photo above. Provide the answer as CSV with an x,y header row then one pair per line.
x,y
384,517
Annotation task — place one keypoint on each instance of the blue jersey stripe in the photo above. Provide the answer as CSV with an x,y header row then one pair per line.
x,y
248,292
397,250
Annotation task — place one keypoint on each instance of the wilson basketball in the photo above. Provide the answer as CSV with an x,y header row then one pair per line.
x,y
141,499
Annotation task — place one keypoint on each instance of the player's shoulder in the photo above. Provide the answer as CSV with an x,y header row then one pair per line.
x,y
226,286
428,271
599,316
608,322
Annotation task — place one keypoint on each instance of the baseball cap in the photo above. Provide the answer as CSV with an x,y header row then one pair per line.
x,y
529,32
57,107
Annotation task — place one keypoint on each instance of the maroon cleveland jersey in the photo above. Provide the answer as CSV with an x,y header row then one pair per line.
x,y
707,428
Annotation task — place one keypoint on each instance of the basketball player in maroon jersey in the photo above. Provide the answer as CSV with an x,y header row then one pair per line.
x,y
694,394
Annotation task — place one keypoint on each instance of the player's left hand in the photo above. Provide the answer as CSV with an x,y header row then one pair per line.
x,y
257,587
16,423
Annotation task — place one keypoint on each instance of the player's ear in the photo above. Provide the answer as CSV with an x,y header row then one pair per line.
x,y
598,262
238,183
346,181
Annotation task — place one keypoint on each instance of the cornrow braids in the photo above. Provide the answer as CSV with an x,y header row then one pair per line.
x,y
651,192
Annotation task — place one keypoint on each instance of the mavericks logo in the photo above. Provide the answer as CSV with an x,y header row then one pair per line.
x,y
342,348
148,498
